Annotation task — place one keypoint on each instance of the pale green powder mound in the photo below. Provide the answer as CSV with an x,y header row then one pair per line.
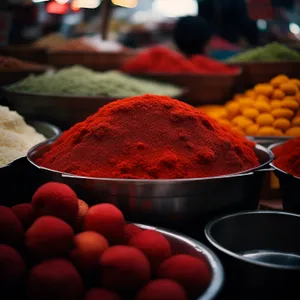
x,y
270,53
78,80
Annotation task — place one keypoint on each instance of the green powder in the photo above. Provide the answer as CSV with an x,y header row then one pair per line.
x,y
270,53
78,80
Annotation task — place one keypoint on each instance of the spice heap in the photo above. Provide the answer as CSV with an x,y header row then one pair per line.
x,y
50,40
57,247
269,109
161,59
16,137
270,53
12,64
287,156
149,137
74,45
81,81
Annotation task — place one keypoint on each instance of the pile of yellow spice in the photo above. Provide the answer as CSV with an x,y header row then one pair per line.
x,y
269,109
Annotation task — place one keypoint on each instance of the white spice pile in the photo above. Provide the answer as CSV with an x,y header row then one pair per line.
x,y
16,137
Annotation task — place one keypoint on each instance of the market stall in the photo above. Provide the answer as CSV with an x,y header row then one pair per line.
x,y
148,173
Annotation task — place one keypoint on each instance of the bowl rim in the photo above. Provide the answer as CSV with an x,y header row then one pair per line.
x,y
149,181
217,245
271,147
215,264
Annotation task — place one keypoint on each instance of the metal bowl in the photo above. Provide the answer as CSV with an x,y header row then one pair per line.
x,y
18,179
166,201
181,244
260,251
289,187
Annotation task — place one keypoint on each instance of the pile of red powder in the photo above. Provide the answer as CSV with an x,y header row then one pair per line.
x,y
160,59
287,157
150,137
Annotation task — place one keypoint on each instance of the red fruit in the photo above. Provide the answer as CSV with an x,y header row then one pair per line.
x,y
55,199
24,212
49,236
107,220
12,268
154,245
130,230
162,289
194,274
89,246
101,294
55,279
11,229
82,211
124,268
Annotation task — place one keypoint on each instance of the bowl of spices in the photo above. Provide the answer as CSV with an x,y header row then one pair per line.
x,y
260,253
263,63
206,80
13,69
158,159
78,88
287,170
17,137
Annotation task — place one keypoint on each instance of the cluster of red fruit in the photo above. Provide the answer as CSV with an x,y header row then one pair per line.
x,y
57,248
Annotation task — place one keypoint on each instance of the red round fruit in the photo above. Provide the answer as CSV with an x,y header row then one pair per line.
x,y
162,289
55,279
124,268
194,274
154,245
12,268
24,212
101,294
130,230
56,199
107,220
89,246
11,229
82,211
49,237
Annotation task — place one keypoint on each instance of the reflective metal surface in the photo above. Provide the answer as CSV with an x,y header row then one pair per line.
x,y
168,200
181,244
260,251
289,186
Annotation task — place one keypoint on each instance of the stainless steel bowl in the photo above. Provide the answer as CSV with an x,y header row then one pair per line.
x,y
185,245
260,251
18,178
166,201
289,187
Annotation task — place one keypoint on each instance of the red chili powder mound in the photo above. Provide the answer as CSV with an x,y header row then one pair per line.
x,y
150,137
287,157
159,59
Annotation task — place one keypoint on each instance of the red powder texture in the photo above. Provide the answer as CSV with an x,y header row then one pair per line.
x,y
160,59
150,137
287,156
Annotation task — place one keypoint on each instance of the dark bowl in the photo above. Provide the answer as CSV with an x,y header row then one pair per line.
x,y
260,251
63,110
18,179
289,187
201,88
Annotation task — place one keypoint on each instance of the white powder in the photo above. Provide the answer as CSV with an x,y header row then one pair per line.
x,y
16,137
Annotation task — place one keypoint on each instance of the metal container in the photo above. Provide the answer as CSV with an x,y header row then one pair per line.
x,y
260,252
181,244
289,187
166,201
63,110
18,179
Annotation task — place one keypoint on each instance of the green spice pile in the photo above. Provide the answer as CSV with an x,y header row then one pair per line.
x,y
78,80
270,53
